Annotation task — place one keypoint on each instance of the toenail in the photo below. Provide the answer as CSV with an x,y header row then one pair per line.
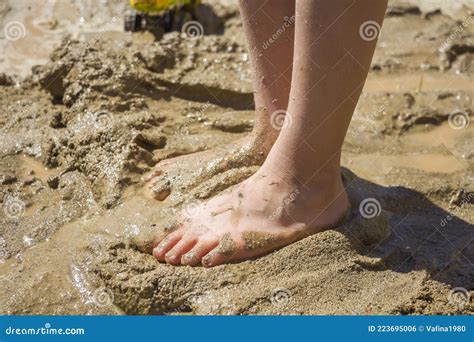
x,y
189,257
159,248
206,261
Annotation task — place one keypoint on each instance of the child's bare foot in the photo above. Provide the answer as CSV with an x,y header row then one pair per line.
x,y
263,213
188,171
298,190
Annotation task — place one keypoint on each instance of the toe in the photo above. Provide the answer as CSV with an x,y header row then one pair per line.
x,y
174,255
214,258
165,164
166,244
225,251
160,188
153,174
162,195
194,256
159,169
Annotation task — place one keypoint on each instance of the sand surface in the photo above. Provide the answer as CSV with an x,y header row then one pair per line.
x,y
100,107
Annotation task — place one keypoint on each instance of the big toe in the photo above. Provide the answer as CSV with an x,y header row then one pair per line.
x,y
159,187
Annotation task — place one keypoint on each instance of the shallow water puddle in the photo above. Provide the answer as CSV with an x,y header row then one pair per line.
x,y
444,134
427,162
416,82
36,168
46,23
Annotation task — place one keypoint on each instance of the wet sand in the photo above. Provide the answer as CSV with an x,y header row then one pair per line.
x,y
79,131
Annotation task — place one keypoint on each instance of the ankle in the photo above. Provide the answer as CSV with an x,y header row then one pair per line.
x,y
264,133
313,174
320,203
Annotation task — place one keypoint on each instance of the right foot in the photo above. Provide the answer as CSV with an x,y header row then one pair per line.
x,y
265,212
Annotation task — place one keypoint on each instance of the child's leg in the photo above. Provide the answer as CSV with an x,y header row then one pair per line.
x,y
298,190
332,60
269,27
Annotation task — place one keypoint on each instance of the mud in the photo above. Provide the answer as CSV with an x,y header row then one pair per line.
x,y
81,129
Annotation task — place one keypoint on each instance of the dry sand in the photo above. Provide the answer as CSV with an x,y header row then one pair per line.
x,y
79,132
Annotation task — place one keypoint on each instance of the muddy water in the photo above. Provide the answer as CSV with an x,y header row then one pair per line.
x,y
421,82
421,162
443,134
81,131
448,153
45,23
35,168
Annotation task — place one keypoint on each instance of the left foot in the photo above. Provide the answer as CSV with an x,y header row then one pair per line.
x,y
175,173
257,216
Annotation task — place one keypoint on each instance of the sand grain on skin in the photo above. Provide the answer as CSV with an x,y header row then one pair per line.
x,y
82,130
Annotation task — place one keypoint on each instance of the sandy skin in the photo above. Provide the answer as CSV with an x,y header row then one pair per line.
x,y
237,225
305,156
